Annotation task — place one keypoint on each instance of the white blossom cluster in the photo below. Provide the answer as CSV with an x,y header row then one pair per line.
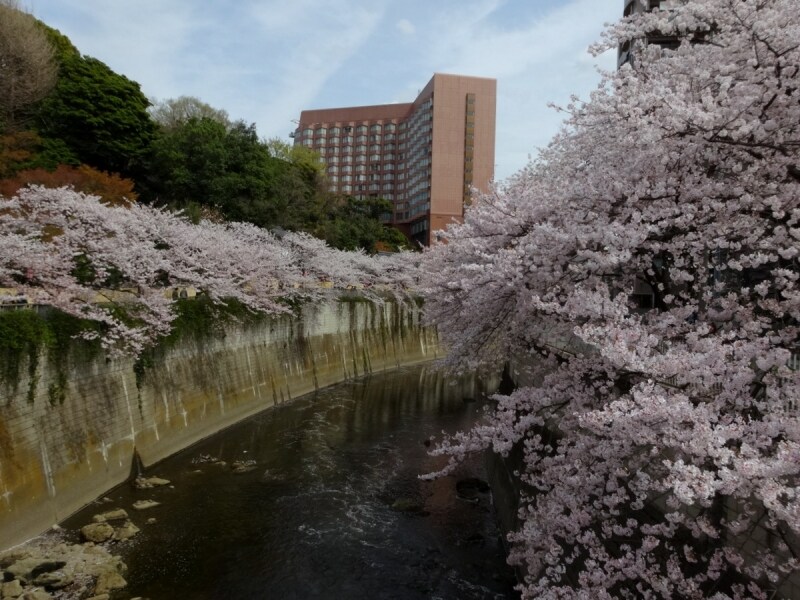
x,y
62,248
661,458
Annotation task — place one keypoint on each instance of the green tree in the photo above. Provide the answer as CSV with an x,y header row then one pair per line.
x,y
205,162
99,115
354,223
174,112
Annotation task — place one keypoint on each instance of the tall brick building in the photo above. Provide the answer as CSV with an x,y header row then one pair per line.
x,y
424,156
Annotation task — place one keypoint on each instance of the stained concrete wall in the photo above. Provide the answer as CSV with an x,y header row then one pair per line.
x,y
56,456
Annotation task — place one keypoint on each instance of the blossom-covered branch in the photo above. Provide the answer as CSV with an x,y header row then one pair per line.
x,y
68,250
655,439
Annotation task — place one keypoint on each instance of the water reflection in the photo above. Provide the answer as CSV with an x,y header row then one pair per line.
x,y
332,507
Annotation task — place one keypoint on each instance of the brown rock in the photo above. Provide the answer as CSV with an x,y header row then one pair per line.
x,y
29,569
97,532
11,589
36,595
144,483
126,531
108,581
53,581
118,514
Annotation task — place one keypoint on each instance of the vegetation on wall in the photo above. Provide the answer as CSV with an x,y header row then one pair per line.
x,y
25,335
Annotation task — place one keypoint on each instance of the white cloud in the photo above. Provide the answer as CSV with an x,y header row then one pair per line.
x,y
538,59
266,60
406,27
309,53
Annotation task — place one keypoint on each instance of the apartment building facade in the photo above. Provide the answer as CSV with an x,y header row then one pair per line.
x,y
424,156
638,6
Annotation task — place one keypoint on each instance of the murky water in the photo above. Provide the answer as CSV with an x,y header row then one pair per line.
x,y
332,509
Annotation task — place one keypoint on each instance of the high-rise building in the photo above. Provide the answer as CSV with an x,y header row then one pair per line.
x,y
638,6
424,156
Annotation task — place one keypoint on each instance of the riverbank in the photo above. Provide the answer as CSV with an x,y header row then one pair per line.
x,y
71,424
319,498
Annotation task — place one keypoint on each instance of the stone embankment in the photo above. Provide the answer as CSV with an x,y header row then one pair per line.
x,y
70,431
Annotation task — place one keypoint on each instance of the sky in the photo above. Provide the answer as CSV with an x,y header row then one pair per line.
x,y
263,61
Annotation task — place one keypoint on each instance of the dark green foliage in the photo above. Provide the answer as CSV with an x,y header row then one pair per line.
x,y
354,224
207,163
25,334
198,320
99,115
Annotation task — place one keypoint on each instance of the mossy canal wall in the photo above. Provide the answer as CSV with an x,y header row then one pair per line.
x,y
60,451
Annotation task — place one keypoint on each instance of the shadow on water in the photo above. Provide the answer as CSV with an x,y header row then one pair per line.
x,y
328,503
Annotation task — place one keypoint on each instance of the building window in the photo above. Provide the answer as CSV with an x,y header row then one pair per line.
x,y
335,131
347,189
361,168
361,139
375,128
375,138
321,131
333,140
389,127
374,157
361,148
361,129
375,148
347,159
347,169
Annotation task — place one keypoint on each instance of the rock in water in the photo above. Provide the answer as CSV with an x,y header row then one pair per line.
x,y
27,569
118,514
97,532
145,483
126,531
108,581
409,506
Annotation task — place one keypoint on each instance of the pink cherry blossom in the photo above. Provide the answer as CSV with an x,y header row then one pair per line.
x,y
655,442
45,234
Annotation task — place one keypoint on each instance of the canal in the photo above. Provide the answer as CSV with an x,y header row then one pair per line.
x,y
320,498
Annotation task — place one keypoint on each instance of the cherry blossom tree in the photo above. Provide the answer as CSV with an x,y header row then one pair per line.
x,y
661,447
68,250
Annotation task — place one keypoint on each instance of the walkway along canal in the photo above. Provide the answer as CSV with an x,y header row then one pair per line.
x,y
320,498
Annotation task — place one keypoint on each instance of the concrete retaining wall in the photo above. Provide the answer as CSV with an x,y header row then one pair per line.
x,y
58,455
